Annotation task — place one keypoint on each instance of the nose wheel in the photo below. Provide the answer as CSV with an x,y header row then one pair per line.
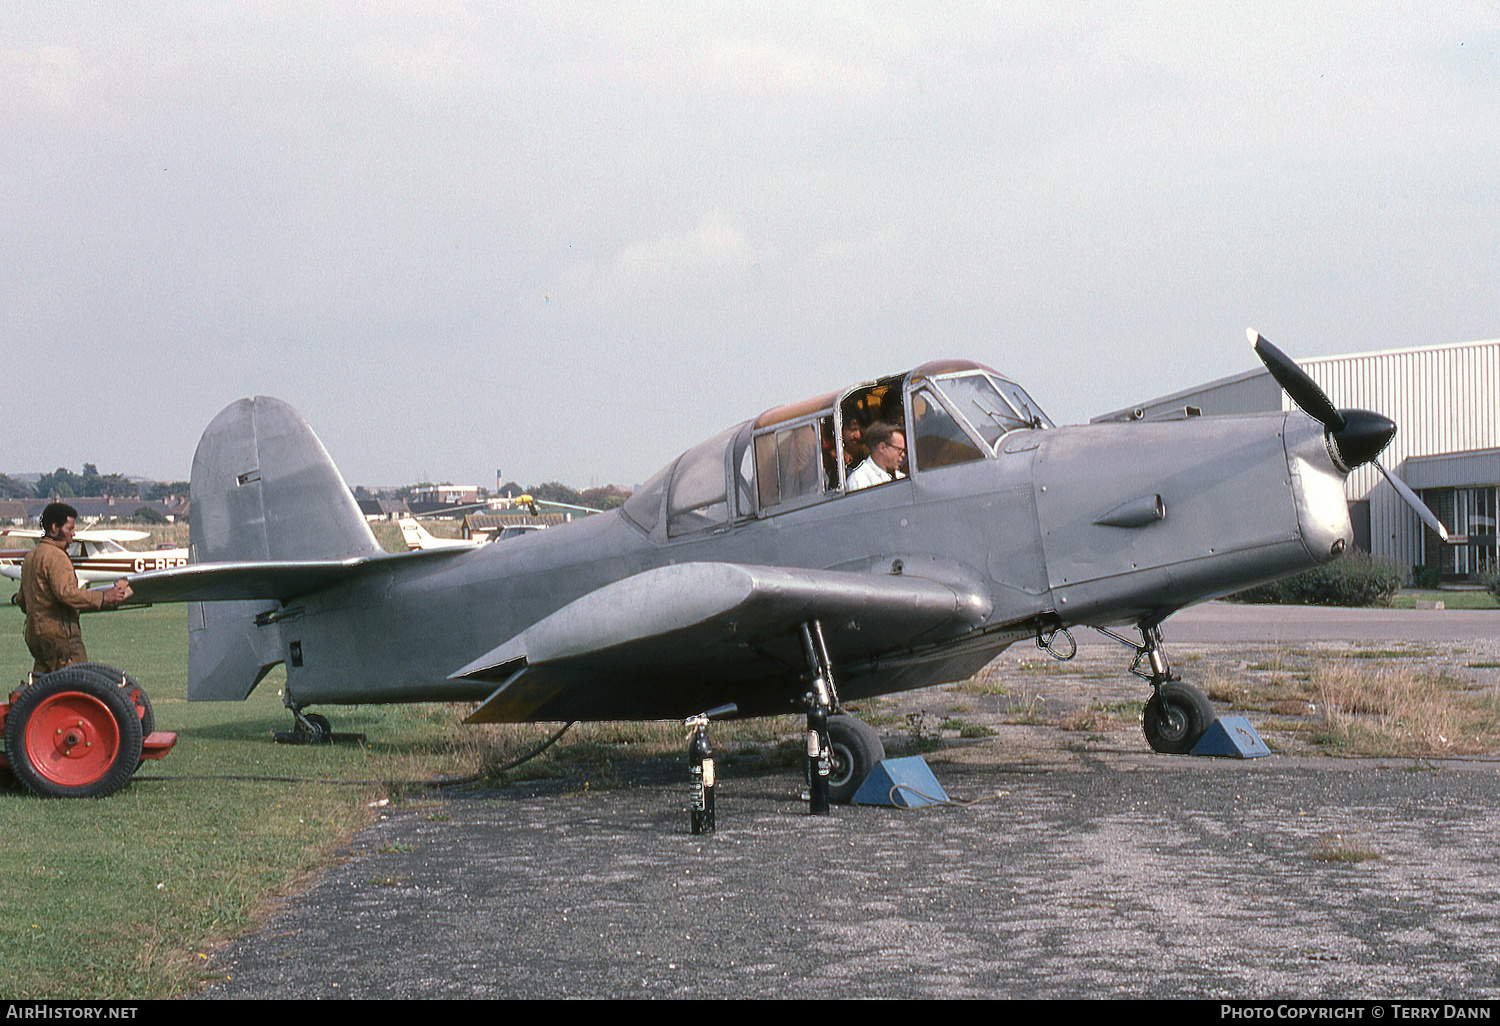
x,y
1176,717
1177,714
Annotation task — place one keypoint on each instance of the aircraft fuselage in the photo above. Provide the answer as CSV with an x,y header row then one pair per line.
x,y
1098,525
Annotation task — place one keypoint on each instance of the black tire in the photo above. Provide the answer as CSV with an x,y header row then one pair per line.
x,y
1175,718
320,732
857,749
73,734
124,680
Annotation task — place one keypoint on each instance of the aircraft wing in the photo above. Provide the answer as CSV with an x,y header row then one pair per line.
x,y
114,534
694,636
281,580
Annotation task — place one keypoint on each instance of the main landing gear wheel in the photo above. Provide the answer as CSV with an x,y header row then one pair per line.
x,y
1176,717
857,749
73,734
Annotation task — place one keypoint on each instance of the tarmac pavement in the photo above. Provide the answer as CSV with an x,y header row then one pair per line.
x,y
1078,868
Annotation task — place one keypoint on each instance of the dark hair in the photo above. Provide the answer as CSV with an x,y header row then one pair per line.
x,y
56,514
880,431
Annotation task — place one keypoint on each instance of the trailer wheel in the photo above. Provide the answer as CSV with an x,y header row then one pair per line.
x,y
73,734
123,680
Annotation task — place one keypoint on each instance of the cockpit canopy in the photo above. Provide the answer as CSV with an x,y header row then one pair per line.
x,y
950,412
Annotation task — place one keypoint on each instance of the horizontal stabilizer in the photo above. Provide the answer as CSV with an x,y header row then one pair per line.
x,y
282,581
616,648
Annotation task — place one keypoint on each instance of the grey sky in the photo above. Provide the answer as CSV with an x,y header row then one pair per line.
x,y
568,240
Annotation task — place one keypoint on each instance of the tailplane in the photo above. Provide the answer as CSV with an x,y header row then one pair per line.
x,y
263,488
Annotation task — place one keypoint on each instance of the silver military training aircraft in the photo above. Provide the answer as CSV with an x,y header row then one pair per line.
x,y
748,578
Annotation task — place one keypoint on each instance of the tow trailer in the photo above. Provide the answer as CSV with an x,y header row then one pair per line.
x,y
80,732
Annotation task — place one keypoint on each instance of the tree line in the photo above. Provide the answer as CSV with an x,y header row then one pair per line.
x,y
65,484
606,497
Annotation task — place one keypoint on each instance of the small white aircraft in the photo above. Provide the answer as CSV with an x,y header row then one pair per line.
x,y
98,555
417,537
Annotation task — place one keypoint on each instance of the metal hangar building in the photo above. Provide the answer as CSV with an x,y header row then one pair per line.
x,y
1445,401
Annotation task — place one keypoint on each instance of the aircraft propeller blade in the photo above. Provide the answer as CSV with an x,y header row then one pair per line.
x,y
1412,500
1356,436
1294,381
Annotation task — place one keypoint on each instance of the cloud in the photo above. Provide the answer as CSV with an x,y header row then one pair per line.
x,y
43,78
713,250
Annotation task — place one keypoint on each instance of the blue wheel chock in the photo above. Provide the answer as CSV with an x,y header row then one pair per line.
x,y
1232,737
904,783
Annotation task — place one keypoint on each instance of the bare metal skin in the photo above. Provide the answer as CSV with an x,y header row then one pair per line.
x,y
708,588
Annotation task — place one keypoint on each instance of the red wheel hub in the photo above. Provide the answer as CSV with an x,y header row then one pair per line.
x,y
72,738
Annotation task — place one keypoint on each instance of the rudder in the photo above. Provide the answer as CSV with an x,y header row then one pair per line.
x,y
264,487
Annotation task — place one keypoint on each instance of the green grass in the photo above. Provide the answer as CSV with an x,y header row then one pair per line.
x,y
125,897
1471,599
122,897
1341,848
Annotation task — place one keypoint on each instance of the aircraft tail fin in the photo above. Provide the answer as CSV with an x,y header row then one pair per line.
x,y
263,488
414,534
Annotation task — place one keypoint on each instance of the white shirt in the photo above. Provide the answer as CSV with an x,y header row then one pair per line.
x,y
870,473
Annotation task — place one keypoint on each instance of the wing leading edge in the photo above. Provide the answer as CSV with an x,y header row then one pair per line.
x,y
679,639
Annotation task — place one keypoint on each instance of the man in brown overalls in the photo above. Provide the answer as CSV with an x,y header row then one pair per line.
x,y
51,598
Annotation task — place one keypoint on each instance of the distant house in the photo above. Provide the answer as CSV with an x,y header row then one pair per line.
x,y
15,512
482,525
445,495
384,509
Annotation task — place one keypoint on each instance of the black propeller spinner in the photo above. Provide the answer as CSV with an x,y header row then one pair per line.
x,y
1355,437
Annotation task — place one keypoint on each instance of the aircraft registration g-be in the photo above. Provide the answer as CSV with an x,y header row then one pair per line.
x,y
749,577
97,555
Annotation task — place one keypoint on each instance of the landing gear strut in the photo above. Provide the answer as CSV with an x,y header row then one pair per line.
x,y
1177,714
842,749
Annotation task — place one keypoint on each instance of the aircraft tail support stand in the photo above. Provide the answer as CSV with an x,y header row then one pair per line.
x,y
701,817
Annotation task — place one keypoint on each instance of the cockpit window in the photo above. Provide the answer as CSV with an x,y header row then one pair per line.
x,y
993,406
937,439
1023,404
795,462
698,499
796,455
644,505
